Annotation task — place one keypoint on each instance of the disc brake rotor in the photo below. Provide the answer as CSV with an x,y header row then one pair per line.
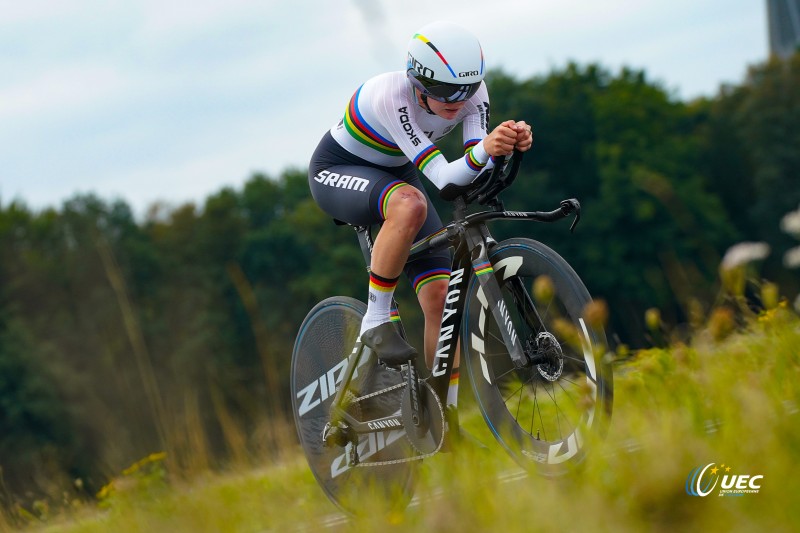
x,y
549,346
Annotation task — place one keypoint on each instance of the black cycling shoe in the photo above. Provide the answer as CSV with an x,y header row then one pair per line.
x,y
392,349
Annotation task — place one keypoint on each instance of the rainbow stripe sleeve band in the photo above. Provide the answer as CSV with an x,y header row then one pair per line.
x,y
426,156
482,269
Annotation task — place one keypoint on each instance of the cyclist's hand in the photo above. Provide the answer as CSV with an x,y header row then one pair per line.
x,y
501,140
524,136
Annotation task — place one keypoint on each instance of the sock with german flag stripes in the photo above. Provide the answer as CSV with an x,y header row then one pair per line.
x,y
452,391
380,301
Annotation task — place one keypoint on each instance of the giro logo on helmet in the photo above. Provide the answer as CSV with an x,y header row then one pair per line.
x,y
467,73
419,67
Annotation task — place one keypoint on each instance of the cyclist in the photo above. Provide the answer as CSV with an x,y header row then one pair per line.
x,y
364,172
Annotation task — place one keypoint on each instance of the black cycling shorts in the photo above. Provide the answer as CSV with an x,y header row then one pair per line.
x,y
353,190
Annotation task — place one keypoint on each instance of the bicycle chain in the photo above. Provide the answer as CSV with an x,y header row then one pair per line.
x,y
404,459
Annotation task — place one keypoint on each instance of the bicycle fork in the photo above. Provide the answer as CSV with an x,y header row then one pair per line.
x,y
490,296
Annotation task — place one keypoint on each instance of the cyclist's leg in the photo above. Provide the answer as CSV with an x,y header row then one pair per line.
x,y
403,209
429,277
351,189
431,298
366,195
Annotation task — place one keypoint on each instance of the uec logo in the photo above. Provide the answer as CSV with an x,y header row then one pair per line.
x,y
698,483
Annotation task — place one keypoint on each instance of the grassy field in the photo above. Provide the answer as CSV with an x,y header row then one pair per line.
x,y
730,401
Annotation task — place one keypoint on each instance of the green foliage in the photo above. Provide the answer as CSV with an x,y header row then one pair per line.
x,y
144,479
734,404
754,144
631,154
36,426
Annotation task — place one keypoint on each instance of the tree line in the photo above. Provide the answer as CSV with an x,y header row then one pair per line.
x,y
121,337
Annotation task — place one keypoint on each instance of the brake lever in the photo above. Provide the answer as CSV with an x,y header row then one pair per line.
x,y
572,206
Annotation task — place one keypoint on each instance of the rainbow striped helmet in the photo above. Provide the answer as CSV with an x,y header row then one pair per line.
x,y
445,62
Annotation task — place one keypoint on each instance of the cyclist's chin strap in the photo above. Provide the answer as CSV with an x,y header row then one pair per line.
x,y
424,99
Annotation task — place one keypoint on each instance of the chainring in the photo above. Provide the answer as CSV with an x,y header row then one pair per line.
x,y
428,436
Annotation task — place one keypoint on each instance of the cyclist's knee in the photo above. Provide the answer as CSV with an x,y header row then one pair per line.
x,y
407,204
431,298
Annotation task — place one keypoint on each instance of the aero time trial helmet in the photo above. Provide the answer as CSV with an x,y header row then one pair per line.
x,y
445,62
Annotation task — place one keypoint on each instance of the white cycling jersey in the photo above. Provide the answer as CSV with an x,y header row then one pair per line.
x,y
385,125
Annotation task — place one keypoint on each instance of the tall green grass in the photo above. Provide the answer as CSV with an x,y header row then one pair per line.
x,y
731,400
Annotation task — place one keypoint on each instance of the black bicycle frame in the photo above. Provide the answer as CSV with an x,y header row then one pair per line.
x,y
470,258
470,237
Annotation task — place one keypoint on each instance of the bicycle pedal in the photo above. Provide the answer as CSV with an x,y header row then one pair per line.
x,y
335,435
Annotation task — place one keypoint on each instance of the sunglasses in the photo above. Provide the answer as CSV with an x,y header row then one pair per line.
x,y
442,92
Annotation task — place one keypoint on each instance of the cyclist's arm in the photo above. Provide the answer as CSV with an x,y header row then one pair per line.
x,y
475,128
460,172
463,171
397,117
501,141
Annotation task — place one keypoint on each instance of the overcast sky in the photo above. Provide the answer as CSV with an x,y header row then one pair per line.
x,y
164,100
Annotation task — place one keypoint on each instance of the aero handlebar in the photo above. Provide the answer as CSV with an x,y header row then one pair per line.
x,y
488,184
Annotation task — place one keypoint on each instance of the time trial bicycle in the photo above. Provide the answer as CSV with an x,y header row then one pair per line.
x,y
536,363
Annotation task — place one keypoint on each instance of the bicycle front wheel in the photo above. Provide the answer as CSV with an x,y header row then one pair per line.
x,y
321,350
543,414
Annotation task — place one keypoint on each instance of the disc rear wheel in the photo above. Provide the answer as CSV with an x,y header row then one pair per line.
x,y
321,349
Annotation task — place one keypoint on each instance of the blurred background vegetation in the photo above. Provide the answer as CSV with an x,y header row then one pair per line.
x,y
120,337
